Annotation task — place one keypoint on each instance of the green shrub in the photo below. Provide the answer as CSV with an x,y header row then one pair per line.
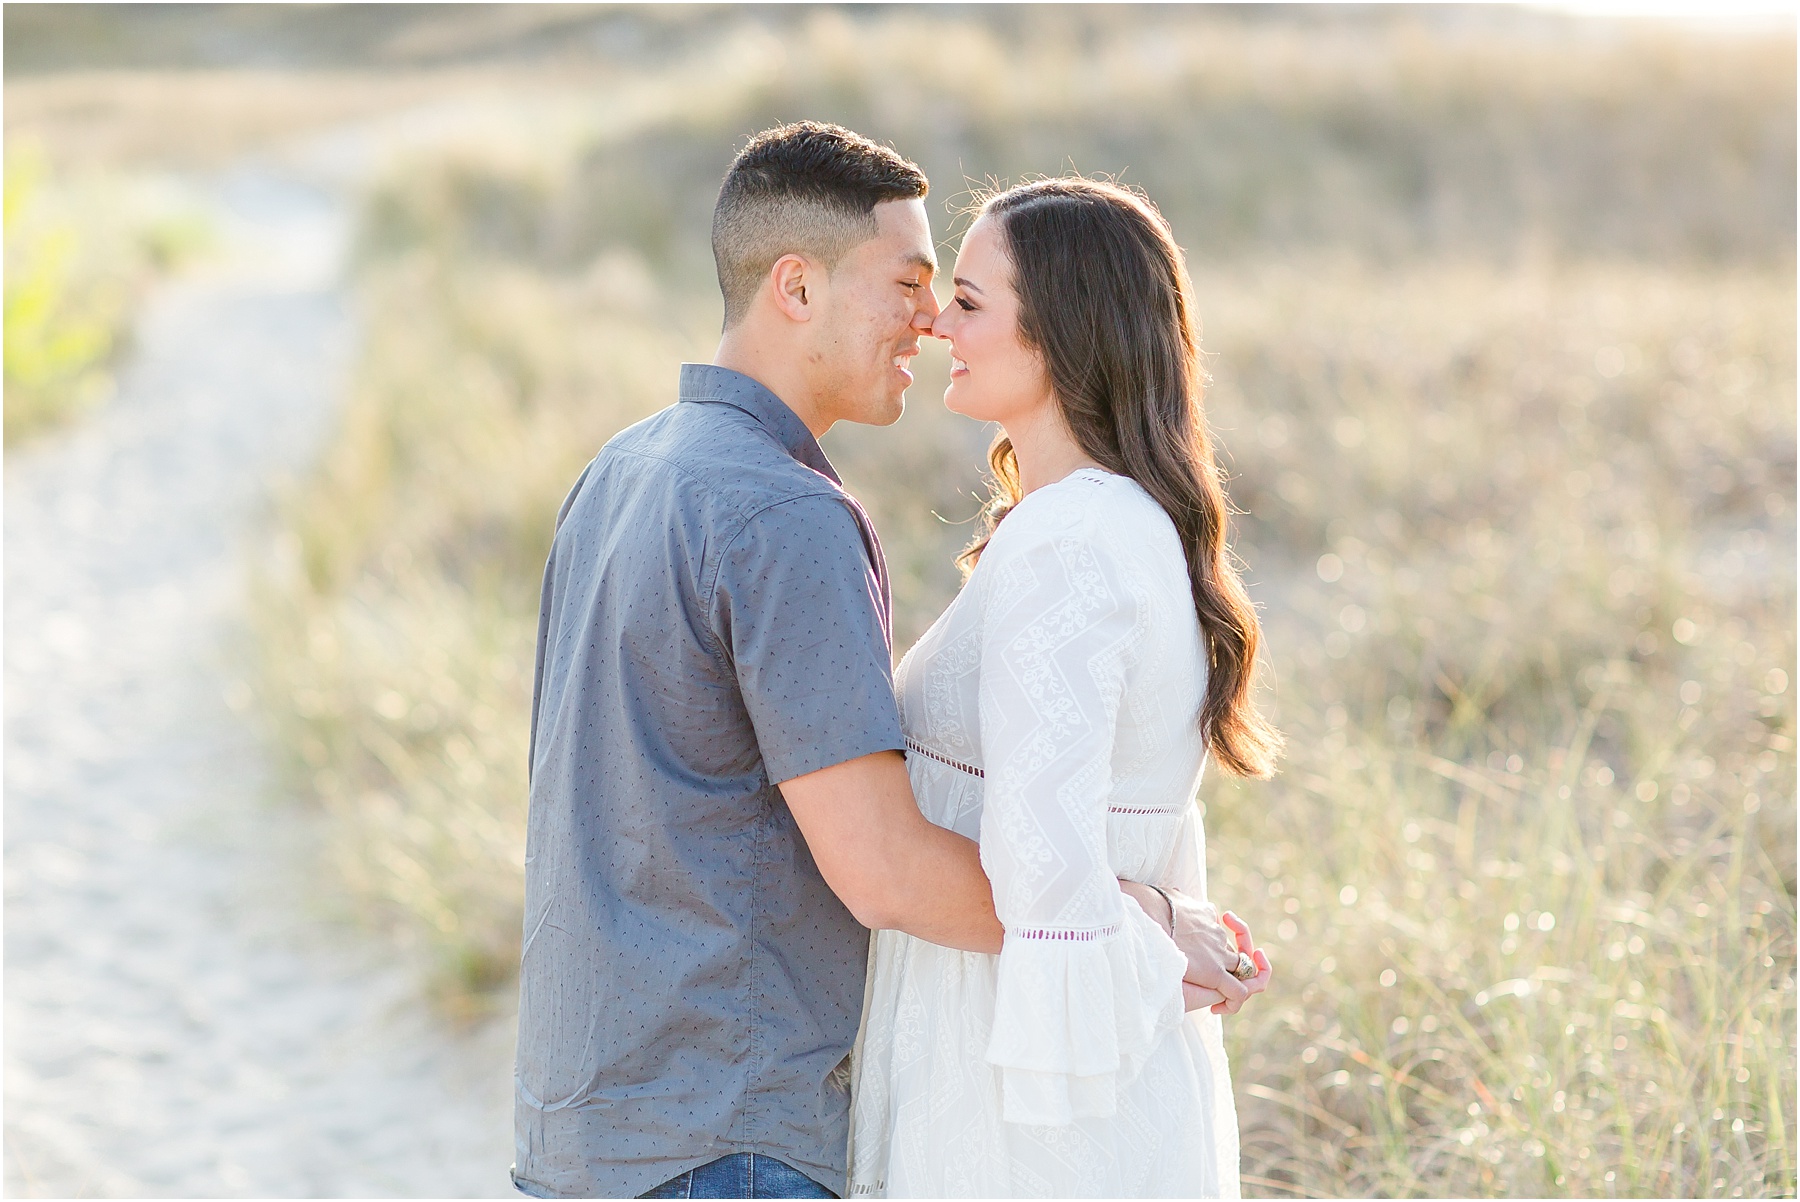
x,y
78,256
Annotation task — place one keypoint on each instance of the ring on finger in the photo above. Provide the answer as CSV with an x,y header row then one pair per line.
x,y
1245,968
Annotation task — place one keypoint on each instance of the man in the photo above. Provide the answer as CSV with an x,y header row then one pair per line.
x,y
719,803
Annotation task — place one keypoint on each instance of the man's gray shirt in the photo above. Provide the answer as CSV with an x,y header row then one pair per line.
x,y
714,622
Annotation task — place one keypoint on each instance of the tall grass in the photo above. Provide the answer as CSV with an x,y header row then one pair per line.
x,y
1514,437
1527,540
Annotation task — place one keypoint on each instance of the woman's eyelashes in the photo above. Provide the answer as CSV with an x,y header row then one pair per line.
x,y
963,302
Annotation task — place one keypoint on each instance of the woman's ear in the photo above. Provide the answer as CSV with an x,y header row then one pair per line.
x,y
791,278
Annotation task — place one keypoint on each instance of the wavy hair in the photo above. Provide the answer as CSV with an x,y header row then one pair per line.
x,y
1104,298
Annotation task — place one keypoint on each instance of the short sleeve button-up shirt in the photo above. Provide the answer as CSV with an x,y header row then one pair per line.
x,y
714,622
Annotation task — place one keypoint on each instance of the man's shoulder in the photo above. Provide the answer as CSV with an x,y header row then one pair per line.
x,y
719,459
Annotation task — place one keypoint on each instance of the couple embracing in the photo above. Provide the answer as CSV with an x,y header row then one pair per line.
x,y
731,788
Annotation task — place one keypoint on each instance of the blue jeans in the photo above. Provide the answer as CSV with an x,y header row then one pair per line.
x,y
741,1175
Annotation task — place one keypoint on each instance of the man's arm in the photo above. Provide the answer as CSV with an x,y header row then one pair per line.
x,y
893,869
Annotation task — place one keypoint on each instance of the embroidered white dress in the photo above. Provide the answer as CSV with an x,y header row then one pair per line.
x,y
1050,713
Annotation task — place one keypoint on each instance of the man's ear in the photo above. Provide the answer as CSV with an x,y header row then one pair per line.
x,y
794,280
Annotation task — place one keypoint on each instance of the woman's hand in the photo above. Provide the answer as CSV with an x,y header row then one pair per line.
x,y
1211,942
1196,996
1242,941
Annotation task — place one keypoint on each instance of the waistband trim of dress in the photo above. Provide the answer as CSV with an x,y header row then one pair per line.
x,y
1066,934
913,745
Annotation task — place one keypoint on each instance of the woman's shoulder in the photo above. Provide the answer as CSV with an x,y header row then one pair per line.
x,y
1092,505
1046,516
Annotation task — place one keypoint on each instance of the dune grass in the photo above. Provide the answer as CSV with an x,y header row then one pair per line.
x,y
1526,540
1514,441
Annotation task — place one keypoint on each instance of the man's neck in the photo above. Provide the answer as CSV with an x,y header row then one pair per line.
x,y
780,369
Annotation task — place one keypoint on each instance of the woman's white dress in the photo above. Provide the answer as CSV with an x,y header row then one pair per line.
x,y
1051,713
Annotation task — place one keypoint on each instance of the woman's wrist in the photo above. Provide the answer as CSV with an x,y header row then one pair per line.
x,y
1155,904
1168,902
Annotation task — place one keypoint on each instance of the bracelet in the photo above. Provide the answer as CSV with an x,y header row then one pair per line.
x,y
1170,902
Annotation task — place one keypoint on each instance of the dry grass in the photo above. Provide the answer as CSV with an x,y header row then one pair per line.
x,y
1502,330
1527,540
158,119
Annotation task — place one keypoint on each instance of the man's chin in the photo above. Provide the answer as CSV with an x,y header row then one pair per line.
x,y
883,413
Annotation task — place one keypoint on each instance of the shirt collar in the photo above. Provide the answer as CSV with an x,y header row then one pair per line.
x,y
707,383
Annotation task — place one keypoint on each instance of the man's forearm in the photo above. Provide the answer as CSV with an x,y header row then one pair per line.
x,y
891,867
942,895
897,871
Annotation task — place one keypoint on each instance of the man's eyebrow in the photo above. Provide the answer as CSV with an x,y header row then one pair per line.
x,y
962,283
922,260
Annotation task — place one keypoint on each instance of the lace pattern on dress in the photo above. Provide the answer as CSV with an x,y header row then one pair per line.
x,y
914,746
1142,810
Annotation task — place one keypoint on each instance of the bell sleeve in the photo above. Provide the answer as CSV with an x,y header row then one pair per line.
x,y
1087,982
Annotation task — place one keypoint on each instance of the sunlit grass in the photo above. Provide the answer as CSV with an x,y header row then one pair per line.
x,y
1526,539
1537,977
1502,1006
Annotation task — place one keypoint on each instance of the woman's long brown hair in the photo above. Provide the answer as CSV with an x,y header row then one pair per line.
x,y
1104,299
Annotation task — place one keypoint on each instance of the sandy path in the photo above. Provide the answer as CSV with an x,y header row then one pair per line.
x,y
177,1021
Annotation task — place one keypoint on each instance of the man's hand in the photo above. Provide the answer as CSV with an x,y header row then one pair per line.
x,y
1211,942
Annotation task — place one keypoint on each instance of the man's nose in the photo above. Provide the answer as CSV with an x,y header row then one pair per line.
x,y
927,311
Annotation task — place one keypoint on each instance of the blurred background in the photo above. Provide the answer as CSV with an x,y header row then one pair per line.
x,y
314,313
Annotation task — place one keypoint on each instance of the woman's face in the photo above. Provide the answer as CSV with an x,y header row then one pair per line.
x,y
994,376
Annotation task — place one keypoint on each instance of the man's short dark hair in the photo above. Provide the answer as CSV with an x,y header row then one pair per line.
x,y
808,188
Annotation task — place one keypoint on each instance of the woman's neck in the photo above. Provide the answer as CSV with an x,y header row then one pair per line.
x,y
1045,449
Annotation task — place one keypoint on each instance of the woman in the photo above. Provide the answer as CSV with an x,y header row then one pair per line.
x,y
1060,711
